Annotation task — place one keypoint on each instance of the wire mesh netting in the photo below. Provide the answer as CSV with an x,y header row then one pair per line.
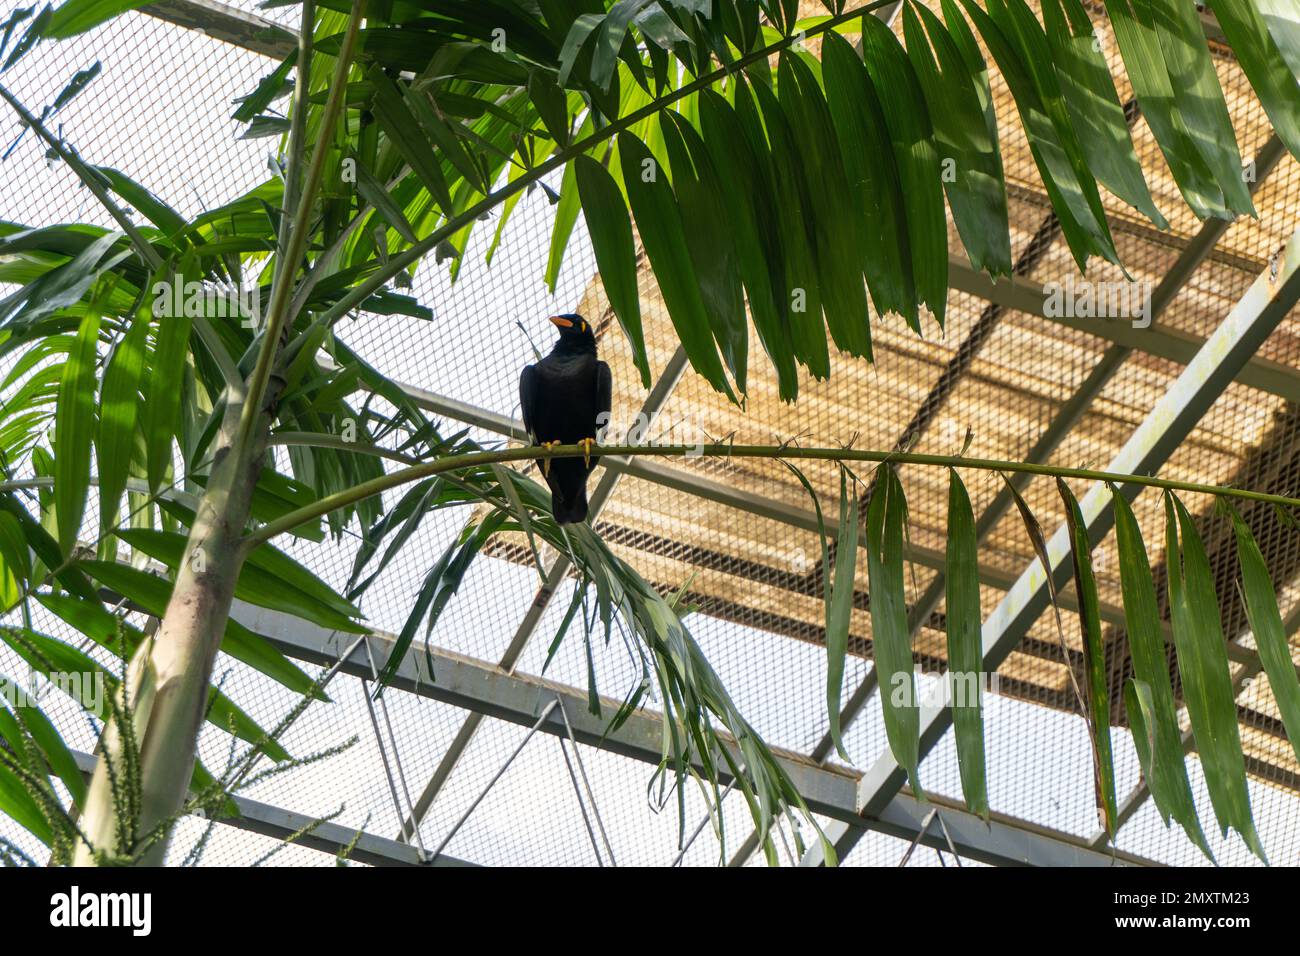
x,y
754,581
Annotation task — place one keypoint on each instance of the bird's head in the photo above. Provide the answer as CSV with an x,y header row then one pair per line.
x,y
575,332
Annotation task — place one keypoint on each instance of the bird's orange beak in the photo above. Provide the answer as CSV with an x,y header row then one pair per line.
x,y
562,322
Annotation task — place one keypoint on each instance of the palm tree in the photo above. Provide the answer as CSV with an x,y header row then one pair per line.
x,y
789,173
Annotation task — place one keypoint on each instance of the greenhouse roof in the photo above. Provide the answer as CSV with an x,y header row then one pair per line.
x,y
496,755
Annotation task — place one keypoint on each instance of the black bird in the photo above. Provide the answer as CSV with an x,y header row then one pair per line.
x,y
563,397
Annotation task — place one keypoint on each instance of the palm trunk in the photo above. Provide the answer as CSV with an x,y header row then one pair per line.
x,y
168,679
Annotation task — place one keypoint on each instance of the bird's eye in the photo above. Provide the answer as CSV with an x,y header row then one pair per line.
x,y
583,326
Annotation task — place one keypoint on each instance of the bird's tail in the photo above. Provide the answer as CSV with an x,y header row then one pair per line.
x,y
570,510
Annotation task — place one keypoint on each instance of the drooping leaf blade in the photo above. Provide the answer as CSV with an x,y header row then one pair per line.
x,y
74,429
160,415
890,637
1096,687
970,160
1266,625
566,216
709,239
1200,97
838,236
739,174
789,248
874,187
965,648
1272,79
911,134
615,251
1016,42
839,607
119,403
1144,61
1094,106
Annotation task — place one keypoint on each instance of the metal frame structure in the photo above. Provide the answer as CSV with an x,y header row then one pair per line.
x,y
856,803
489,691
1169,423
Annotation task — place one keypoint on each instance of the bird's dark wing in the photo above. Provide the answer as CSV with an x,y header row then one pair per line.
x,y
604,393
530,398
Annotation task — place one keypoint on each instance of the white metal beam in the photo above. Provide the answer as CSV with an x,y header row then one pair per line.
x,y
226,23
485,689
1030,297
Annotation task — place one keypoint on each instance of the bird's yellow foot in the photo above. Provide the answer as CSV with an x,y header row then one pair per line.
x,y
546,462
586,444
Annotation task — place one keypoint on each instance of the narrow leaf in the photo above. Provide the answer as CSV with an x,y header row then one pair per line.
x,y
78,16
1094,105
1017,43
612,243
566,215
890,636
710,244
1200,97
1097,689
1273,80
1139,44
918,162
119,404
873,177
74,427
399,125
839,608
789,245
373,192
1266,625
160,414
740,173
965,646
970,160
1140,706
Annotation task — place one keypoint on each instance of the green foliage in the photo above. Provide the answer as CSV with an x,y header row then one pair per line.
x,y
33,755
669,118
